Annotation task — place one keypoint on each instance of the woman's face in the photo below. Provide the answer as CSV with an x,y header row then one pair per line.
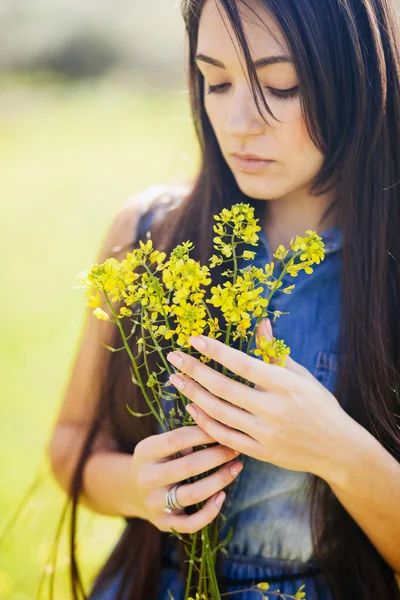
x,y
233,114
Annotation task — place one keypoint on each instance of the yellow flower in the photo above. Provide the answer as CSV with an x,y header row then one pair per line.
x,y
184,276
311,244
94,299
281,252
101,314
214,328
313,251
157,257
288,290
215,261
225,216
189,320
124,312
151,295
273,349
300,594
247,255
239,301
146,247
239,222
263,585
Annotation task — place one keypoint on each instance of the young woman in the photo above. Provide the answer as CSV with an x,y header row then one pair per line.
x,y
296,106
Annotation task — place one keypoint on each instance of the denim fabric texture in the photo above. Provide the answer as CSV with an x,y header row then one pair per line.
x,y
266,505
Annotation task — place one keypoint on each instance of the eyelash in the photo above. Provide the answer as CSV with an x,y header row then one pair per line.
x,y
280,94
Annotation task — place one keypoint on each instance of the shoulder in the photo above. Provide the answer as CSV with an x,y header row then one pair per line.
x,y
136,216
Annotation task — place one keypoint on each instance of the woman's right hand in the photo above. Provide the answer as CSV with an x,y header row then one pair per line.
x,y
155,471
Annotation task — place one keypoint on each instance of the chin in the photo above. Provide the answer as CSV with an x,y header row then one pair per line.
x,y
259,190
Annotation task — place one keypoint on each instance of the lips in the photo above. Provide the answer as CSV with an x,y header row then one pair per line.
x,y
251,165
250,156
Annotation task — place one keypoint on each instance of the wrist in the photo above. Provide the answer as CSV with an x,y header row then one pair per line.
x,y
353,449
108,486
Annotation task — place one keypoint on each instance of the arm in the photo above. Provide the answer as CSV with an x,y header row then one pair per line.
x,y
283,420
105,488
367,482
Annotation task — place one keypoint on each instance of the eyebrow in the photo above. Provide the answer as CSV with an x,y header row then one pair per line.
x,y
258,64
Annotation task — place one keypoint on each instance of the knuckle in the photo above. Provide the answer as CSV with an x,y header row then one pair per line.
x,y
190,389
145,477
187,470
174,440
226,452
218,414
189,495
220,390
190,368
142,447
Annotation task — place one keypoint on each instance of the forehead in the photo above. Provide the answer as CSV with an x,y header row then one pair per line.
x,y
217,38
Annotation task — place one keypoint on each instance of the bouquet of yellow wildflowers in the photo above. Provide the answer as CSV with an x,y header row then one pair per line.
x,y
168,299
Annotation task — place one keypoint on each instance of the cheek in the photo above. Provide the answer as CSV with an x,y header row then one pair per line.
x,y
217,115
303,159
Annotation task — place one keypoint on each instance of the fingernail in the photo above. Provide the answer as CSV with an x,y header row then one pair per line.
x,y
220,498
269,326
175,359
197,342
235,469
192,410
177,381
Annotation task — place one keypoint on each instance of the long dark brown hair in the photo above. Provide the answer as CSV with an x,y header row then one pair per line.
x,y
347,60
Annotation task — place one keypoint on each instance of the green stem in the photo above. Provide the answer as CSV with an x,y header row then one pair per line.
x,y
235,271
234,258
215,595
156,396
227,338
211,318
191,565
135,368
268,300
166,364
202,563
160,302
260,592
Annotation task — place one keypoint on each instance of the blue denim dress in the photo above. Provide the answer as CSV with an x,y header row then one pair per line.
x,y
265,504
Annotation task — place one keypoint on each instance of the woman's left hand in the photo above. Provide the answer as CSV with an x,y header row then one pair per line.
x,y
289,418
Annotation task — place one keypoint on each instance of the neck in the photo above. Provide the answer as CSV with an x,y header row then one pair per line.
x,y
290,216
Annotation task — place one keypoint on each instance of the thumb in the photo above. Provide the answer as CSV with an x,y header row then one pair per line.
x,y
265,330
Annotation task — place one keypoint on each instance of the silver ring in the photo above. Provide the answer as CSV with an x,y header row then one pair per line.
x,y
172,504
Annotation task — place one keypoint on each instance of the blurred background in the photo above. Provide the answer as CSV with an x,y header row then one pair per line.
x,y
93,109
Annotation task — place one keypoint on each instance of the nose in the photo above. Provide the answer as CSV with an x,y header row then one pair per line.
x,y
244,118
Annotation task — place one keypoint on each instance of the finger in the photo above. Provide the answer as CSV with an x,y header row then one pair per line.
x,y
163,445
241,442
265,329
266,375
191,493
186,451
192,523
218,384
217,409
179,469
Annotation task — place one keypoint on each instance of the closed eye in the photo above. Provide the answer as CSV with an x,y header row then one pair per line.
x,y
277,93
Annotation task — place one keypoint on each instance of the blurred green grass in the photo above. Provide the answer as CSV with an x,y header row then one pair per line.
x,y
70,156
